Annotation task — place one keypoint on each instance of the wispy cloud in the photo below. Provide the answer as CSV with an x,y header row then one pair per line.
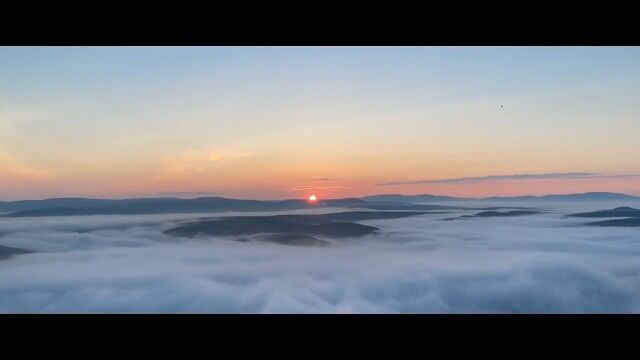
x,y
9,118
191,163
489,178
12,168
325,188
188,193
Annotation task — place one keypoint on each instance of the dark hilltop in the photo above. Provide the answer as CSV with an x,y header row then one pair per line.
x,y
626,216
286,228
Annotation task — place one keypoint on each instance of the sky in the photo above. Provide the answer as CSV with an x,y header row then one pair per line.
x,y
285,122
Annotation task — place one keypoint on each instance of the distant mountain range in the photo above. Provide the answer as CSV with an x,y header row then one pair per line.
x,y
411,198
589,196
84,206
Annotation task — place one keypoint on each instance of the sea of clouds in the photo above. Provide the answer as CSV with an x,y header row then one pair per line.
x,y
543,263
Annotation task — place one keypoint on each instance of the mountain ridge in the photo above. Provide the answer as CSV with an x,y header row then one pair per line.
x,y
90,206
573,196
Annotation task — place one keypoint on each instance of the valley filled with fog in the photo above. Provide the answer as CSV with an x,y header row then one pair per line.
x,y
542,262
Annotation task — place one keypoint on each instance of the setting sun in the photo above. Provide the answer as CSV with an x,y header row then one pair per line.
x,y
313,198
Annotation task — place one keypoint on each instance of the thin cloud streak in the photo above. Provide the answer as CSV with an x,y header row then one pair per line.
x,y
181,194
543,176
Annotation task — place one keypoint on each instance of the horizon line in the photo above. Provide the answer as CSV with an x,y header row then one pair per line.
x,y
341,198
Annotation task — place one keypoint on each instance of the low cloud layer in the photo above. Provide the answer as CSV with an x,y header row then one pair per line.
x,y
538,263
543,176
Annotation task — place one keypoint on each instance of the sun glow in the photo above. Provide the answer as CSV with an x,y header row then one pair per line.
x,y
313,198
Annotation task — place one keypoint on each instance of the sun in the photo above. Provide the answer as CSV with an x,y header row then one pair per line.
x,y
313,197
